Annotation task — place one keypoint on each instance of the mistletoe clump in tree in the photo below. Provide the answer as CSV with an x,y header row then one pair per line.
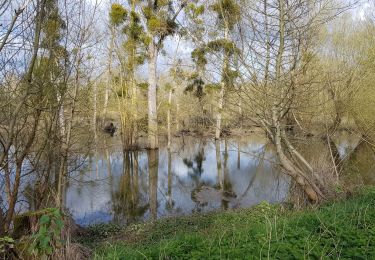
x,y
196,78
129,24
227,14
153,22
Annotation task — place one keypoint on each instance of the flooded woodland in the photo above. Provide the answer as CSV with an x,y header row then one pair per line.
x,y
171,129
196,175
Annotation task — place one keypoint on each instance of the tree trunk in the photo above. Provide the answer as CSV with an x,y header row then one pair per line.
x,y
152,105
222,89
28,79
177,121
95,107
109,79
169,118
67,138
13,198
310,190
219,112
18,174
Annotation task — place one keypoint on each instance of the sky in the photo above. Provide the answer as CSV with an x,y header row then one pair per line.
x,y
364,7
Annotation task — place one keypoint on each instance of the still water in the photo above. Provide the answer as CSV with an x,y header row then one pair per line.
x,y
195,175
201,175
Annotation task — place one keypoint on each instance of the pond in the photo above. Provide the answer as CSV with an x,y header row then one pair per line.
x,y
195,175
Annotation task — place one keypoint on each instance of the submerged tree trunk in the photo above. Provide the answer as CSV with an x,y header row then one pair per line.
x,y
152,105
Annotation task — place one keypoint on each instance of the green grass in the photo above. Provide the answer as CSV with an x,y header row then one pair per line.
x,y
344,230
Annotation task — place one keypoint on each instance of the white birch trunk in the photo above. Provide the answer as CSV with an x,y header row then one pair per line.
x,y
109,76
222,90
219,112
152,105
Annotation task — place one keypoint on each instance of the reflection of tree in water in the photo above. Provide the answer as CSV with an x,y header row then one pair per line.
x,y
222,190
196,165
169,201
127,202
227,187
195,170
153,165
323,157
359,166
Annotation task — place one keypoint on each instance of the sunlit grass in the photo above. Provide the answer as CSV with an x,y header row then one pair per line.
x,y
344,230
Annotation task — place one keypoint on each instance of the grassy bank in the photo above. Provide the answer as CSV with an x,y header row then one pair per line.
x,y
343,229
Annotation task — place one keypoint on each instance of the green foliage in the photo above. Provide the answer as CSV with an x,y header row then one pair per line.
x,y
194,11
228,12
168,86
223,45
161,26
229,77
147,12
339,230
143,85
156,25
196,85
48,236
159,19
53,25
212,88
6,243
136,37
103,230
117,14
134,30
198,57
162,3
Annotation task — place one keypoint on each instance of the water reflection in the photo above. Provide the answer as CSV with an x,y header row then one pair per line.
x,y
359,166
153,164
194,176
